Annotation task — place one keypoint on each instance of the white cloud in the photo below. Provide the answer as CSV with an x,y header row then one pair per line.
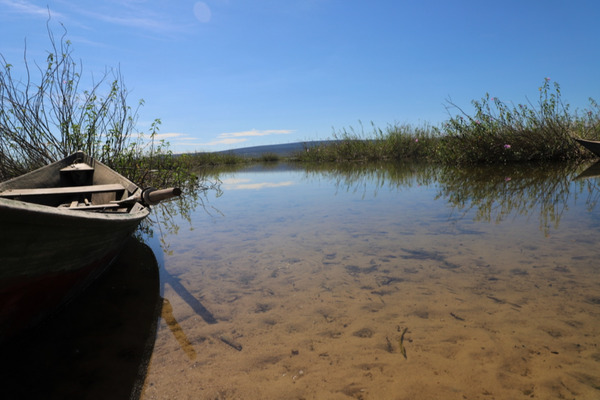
x,y
185,142
128,13
148,23
131,14
255,132
171,135
223,141
28,8
25,7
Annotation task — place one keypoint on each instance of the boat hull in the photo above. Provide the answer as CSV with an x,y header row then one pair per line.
x,y
49,253
97,347
591,145
48,258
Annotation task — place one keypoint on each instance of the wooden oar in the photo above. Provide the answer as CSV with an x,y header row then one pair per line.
x,y
153,196
150,196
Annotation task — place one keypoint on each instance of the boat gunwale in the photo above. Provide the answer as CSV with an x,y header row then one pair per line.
x,y
93,214
30,180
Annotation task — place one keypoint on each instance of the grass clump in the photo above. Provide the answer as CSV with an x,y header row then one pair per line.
x,y
501,133
199,160
398,142
497,132
269,157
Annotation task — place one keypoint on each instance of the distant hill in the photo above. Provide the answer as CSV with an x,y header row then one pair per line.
x,y
282,150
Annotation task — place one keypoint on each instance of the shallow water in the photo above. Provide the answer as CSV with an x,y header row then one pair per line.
x,y
401,282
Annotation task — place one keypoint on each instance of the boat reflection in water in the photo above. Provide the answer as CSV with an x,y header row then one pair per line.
x,y
98,346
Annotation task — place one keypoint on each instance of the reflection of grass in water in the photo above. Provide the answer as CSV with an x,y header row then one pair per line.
x,y
496,193
492,192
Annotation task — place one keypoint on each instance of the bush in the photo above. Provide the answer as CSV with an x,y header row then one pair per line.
x,y
45,119
502,133
497,133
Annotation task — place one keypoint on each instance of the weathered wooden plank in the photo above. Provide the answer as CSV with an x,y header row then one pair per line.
x,y
96,207
62,190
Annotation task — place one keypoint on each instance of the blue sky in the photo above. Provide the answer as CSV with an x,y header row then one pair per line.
x,y
222,74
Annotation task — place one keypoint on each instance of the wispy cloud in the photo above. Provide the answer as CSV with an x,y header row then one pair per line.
x,y
133,17
186,141
224,141
28,8
148,22
255,132
132,14
173,135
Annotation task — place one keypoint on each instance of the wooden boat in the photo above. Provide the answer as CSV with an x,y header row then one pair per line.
x,y
591,145
97,347
60,227
593,171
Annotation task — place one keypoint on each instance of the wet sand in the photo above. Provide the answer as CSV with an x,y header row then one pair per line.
x,y
311,303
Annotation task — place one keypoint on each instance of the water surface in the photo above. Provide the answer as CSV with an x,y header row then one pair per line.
x,y
384,282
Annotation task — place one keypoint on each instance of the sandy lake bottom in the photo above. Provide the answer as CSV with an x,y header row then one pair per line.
x,y
301,290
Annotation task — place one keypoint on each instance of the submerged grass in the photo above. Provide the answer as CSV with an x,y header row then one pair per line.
x,y
497,132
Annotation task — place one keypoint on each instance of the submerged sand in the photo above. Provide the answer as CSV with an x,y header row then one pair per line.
x,y
312,305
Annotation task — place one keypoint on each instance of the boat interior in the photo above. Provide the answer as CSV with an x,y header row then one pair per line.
x,y
76,188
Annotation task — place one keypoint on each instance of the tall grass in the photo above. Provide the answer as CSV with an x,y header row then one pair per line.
x,y
496,132
214,159
396,143
200,160
499,132
46,114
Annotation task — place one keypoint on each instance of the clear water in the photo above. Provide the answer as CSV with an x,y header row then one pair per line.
x,y
386,282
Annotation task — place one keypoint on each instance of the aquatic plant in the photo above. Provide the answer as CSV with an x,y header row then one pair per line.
x,y
199,160
397,142
269,157
497,132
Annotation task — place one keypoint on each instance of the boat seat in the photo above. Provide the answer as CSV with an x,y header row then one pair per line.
x,y
113,187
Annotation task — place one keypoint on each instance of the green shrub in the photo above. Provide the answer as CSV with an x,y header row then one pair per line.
x,y
503,133
497,133
269,157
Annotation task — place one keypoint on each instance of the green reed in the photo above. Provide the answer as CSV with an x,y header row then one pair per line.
x,y
198,160
397,142
496,132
